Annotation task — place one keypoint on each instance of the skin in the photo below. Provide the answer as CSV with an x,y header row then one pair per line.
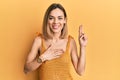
x,y
53,46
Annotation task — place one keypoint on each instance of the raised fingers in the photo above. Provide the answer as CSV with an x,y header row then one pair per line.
x,y
83,37
81,30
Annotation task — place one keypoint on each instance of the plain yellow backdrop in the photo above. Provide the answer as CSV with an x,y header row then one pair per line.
x,y
21,19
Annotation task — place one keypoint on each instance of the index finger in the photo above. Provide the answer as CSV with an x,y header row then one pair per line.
x,y
80,29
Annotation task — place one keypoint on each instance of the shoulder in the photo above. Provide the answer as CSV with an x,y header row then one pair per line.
x,y
72,42
38,39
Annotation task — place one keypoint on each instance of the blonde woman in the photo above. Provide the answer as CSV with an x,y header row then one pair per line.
x,y
54,50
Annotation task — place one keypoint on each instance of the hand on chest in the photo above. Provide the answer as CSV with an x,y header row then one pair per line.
x,y
60,44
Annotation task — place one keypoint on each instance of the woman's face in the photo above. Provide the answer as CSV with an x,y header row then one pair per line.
x,y
56,20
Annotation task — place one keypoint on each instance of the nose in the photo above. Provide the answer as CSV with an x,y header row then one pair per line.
x,y
55,20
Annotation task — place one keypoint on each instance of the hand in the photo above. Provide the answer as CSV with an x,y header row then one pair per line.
x,y
50,53
82,37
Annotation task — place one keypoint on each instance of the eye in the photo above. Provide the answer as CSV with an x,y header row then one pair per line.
x,y
50,18
60,18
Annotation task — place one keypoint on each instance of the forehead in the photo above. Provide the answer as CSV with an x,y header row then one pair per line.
x,y
56,12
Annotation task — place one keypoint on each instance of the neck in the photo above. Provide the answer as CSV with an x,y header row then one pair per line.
x,y
56,37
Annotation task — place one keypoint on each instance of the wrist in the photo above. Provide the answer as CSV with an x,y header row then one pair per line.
x,y
41,59
82,46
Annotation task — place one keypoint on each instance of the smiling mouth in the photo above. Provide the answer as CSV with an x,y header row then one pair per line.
x,y
55,26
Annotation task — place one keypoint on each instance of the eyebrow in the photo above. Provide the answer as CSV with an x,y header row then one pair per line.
x,y
53,16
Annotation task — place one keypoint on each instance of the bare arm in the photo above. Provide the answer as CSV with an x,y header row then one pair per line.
x,y
79,61
32,59
31,62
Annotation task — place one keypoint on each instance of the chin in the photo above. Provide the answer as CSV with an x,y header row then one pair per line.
x,y
55,31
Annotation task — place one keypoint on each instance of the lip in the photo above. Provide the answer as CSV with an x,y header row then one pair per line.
x,y
55,26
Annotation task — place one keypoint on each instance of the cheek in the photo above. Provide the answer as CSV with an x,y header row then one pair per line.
x,y
62,24
50,22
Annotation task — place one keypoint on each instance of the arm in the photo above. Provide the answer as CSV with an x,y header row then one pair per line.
x,y
31,62
79,61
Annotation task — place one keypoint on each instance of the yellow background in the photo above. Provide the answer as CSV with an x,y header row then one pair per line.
x,y
20,19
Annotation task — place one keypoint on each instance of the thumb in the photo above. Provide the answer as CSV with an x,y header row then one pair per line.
x,y
49,47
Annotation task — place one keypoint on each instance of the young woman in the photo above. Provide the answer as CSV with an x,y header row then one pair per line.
x,y
54,51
